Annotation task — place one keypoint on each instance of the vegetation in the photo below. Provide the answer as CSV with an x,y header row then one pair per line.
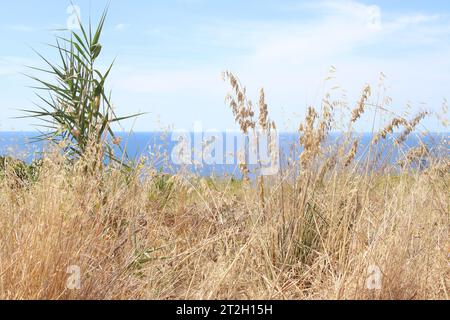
x,y
18,170
78,111
315,230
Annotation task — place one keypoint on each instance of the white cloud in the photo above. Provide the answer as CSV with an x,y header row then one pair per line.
x,y
342,27
12,65
290,59
121,26
338,26
168,81
367,15
407,20
20,28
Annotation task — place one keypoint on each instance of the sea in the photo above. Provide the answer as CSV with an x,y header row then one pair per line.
x,y
221,154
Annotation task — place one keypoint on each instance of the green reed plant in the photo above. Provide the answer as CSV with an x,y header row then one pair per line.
x,y
76,110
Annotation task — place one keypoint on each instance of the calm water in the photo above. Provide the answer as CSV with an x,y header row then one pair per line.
x,y
153,145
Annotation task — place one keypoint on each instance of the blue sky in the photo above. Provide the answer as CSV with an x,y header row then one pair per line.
x,y
170,55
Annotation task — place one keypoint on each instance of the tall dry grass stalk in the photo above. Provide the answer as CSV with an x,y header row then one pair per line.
x,y
245,117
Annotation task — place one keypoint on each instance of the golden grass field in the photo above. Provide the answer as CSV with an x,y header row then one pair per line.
x,y
315,234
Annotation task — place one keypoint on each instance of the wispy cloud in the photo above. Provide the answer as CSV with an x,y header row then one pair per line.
x,y
20,28
168,81
23,28
121,26
12,65
367,15
290,57
414,19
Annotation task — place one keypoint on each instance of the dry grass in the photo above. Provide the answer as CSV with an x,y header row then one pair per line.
x,y
310,235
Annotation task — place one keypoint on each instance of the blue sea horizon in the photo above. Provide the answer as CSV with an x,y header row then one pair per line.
x,y
154,144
